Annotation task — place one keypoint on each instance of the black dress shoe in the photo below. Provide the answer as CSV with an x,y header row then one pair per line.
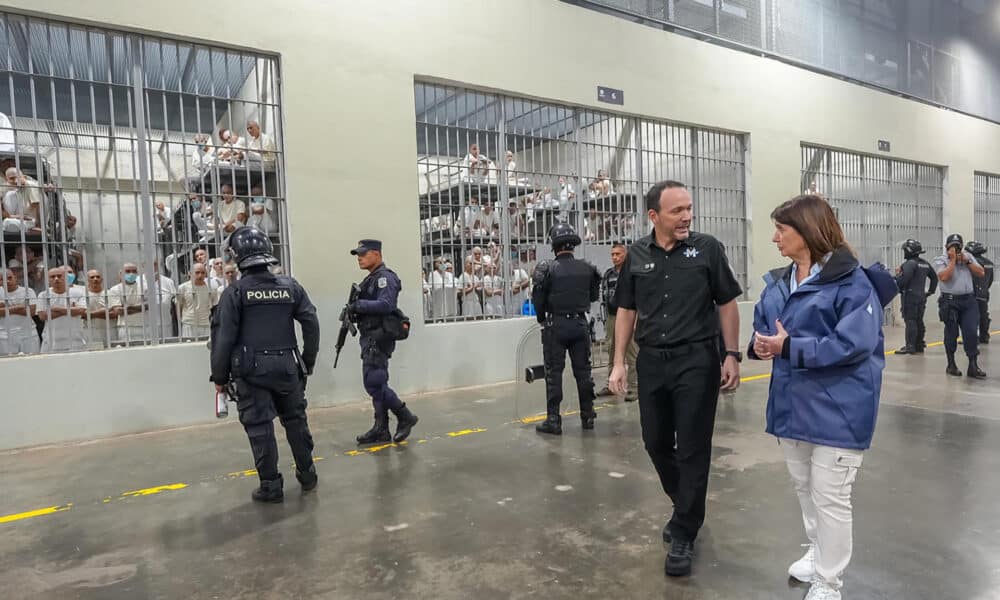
x,y
679,558
906,350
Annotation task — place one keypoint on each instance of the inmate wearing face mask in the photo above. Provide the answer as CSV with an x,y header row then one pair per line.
x,y
253,343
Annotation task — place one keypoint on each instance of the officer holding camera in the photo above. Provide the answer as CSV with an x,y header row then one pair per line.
x,y
957,306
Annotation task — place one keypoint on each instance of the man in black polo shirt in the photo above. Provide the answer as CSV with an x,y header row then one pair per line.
x,y
674,279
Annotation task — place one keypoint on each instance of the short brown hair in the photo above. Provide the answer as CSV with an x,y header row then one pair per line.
x,y
813,218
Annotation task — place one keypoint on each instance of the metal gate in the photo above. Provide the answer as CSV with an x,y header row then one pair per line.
x,y
880,202
987,204
496,172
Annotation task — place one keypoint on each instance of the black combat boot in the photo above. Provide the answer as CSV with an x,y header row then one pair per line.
x,y
587,418
270,490
405,420
378,433
309,479
952,367
984,339
920,349
679,558
552,424
974,370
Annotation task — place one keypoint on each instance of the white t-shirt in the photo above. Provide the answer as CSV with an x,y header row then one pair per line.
x,y
470,302
95,301
66,331
264,221
493,304
195,302
227,212
517,299
126,295
476,166
488,222
16,325
17,202
263,145
200,161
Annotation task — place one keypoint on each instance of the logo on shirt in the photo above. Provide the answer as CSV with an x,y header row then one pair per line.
x,y
272,295
691,252
382,282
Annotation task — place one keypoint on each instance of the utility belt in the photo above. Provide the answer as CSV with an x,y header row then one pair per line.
x,y
550,318
955,297
243,362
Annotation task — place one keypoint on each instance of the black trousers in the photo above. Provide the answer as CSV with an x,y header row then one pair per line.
x,y
913,317
678,394
960,313
984,319
275,389
560,335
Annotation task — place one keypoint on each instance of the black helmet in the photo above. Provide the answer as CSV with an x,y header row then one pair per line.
x,y
251,248
563,237
954,240
975,248
912,248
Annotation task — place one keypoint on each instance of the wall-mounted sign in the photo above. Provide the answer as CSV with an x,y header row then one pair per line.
x,y
883,146
610,95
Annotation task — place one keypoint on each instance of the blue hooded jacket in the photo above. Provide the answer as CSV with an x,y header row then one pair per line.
x,y
825,386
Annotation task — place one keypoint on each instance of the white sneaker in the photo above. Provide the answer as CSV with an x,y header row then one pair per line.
x,y
821,590
805,568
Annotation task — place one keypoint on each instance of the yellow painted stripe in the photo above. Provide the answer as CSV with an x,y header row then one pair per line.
x,y
35,513
247,473
154,490
465,432
373,449
755,377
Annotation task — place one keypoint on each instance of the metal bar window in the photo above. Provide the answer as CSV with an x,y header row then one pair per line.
x,y
880,202
496,172
116,186
987,210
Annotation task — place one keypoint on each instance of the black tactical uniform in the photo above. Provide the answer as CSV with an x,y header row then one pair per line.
x,y
915,291
373,311
982,287
563,291
253,343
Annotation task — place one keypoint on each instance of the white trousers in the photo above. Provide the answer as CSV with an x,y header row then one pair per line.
x,y
19,343
195,331
823,478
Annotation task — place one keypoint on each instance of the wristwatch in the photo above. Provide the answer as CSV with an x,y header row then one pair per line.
x,y
737,355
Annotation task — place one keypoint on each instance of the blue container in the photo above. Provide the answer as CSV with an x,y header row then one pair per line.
x,y
527,309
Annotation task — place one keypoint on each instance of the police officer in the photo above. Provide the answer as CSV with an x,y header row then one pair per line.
x,y
253,342
982,285
563,291
673,280
608,284
373,311
957,306
910,277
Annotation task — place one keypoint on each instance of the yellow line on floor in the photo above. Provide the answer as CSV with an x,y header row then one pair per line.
x,y
465,432
35,513
151,491
154,490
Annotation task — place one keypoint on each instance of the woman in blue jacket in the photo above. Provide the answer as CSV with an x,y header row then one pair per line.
x,y
820,321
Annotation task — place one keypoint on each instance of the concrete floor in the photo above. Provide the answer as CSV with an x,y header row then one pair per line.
x,y
477,505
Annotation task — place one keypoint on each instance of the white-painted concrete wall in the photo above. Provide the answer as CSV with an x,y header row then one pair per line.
x,y
347,72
